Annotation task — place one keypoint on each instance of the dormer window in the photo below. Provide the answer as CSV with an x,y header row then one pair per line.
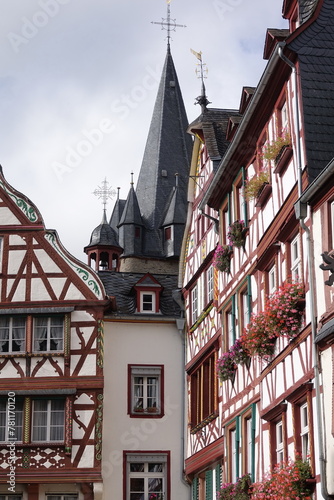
x,y
148,291
147,301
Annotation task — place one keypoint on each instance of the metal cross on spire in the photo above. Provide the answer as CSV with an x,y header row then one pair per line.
x,y
170,23
104,192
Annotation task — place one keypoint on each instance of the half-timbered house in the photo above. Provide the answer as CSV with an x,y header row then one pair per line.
x,y
263,322
51,361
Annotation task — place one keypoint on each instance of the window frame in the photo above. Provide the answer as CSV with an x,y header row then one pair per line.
x,y
7,415
203,384
48,338
194,310
11,328
225,218
229,324
142,457
295,262
209,275
61,496
145,371
49,426
144,302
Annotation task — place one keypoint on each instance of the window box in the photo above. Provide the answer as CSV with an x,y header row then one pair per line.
x,y
281,160
263,194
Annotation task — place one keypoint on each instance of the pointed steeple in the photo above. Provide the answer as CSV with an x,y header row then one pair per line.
x,y
168,149
131,226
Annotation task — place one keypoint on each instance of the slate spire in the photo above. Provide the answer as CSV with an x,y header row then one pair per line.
x,y
167,152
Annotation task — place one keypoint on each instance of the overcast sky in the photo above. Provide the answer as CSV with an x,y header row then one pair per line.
x,y
78,81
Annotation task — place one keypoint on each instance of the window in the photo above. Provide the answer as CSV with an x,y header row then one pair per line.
x,y
272,280
11,420
248,441
232,451
145,390
279,442
225,221
244,316
203,387
283,116
230,325
10,497
194,304
295,258
233,448
277,433
48,333
146,476
209,283
331,218
147,302
304,431
48,420
60,497
12,334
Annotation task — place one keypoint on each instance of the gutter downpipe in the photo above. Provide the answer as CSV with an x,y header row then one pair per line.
x,y
301,214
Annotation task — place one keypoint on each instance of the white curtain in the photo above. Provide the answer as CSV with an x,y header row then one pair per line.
x,y
4,331
19,332
40,333
40,420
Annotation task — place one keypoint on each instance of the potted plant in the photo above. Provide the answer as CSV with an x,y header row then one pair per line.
x,y
257,338
226,366
237,233
287,480
222,258
255,185
236,491
273,149
240,355
152,409
284,317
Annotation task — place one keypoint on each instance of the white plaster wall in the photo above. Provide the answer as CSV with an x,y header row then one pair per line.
x,y
326,362
135,343
15,258
46,261
7,217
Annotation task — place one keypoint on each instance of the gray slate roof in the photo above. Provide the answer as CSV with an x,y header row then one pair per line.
x,y
121,286
103,234
167,151
315,49
213,122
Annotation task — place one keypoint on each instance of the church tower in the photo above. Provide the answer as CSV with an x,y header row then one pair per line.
x,y
150,226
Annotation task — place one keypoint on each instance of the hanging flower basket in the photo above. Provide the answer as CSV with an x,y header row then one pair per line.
x,y
236,491
237,233
284,315
257,339
222,258
226,367
240,355
287,480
